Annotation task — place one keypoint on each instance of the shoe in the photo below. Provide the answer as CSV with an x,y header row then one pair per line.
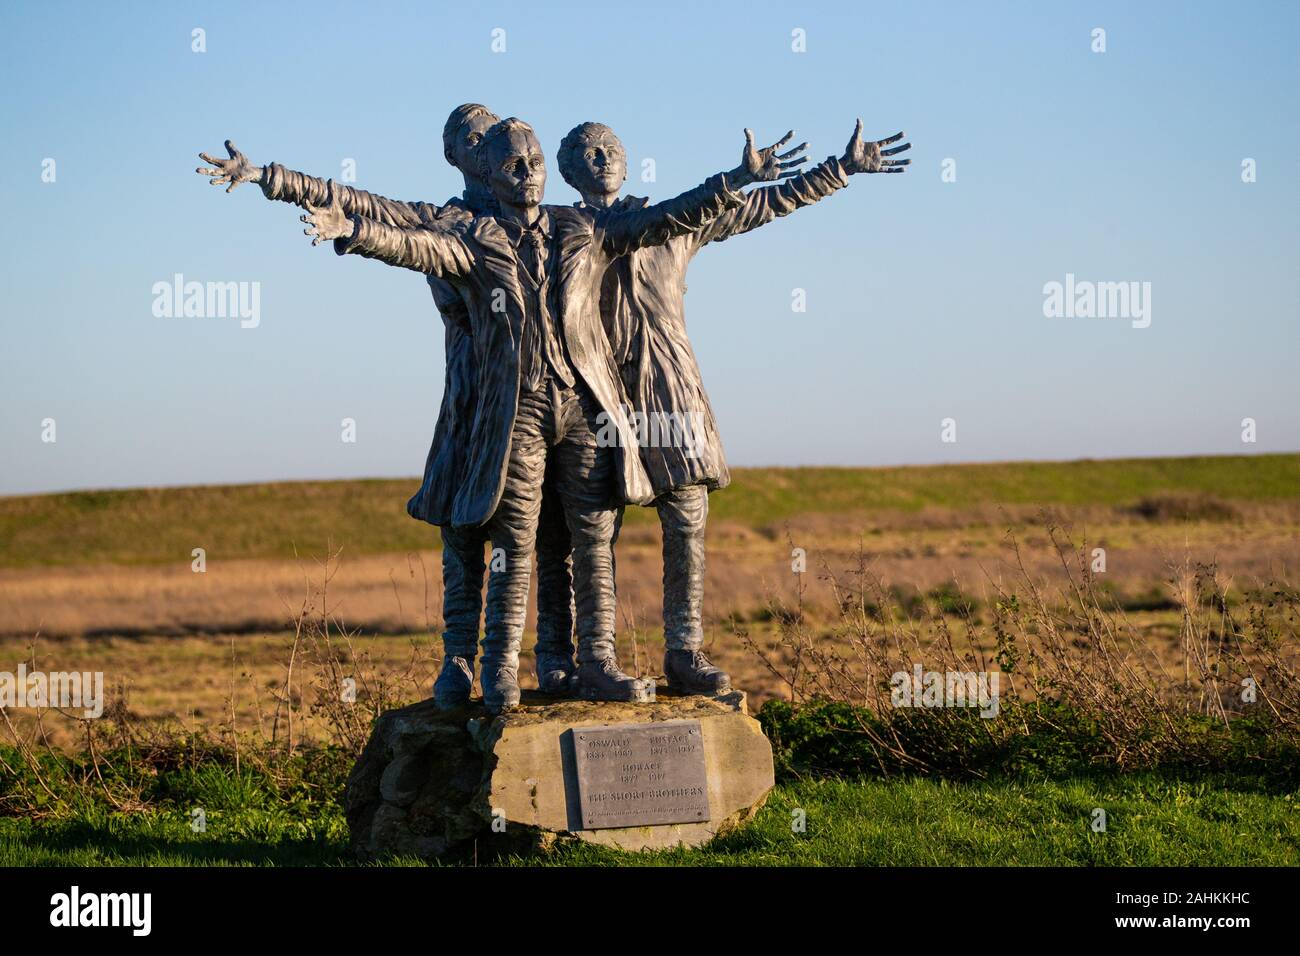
x,y
455,680
556,674
500,687
602,680
689,672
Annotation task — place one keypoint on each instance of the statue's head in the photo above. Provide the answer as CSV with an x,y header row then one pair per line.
x,y
592,160
462,134
511,163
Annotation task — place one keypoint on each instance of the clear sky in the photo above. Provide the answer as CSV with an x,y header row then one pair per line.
x,y
924,298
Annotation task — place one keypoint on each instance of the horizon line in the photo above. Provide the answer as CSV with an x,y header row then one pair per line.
x,y
736,468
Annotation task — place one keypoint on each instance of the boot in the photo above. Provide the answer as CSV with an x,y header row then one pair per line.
x,y
602,680
689,672
556,674
500,685
451,689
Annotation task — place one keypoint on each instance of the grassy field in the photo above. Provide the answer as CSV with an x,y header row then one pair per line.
x,y
1150,821
236,681
284,520
102,581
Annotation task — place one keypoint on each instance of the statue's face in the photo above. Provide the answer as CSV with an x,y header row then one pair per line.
x,y
516,169
601,163
465,146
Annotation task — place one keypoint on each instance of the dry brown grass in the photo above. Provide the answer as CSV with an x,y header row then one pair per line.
x,y
1060,639
251,645
401,593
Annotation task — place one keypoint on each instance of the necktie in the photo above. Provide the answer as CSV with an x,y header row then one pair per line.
x,y
533,253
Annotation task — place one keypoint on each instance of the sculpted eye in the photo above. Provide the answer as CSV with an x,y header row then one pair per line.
x,y
473,139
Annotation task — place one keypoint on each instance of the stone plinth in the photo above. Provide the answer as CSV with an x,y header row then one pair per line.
x,y
429,781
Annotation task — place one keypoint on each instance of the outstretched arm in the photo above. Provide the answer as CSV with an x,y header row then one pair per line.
x,y
764,205
288,185
689,212
430,250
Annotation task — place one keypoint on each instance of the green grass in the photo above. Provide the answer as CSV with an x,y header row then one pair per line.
x,y
763,495
1151,821
1239,805
279,520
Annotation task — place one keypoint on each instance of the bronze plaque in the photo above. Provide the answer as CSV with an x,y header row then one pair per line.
x,y
636,775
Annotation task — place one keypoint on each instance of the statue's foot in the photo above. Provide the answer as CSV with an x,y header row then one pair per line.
x,y
690,672
455,680
602,680
500,687
556,674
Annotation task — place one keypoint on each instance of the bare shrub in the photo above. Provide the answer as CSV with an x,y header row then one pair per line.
x,y
1060,646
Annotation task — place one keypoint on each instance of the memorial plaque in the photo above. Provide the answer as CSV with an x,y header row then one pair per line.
x,y
634,775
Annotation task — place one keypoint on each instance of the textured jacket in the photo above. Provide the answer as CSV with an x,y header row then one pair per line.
x,y
644,313
478,258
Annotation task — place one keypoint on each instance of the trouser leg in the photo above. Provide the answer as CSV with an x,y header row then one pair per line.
x,y
618,526
513,533
585,482
593,569
682,515
555,610
462,590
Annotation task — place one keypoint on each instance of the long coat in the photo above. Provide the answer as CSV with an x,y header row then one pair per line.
x,y
644,313
479,259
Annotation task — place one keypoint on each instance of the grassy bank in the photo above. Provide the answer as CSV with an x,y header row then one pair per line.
x,y
281,520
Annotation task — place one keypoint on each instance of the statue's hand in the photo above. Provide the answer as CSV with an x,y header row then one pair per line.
x,y
235,170
328,221
766,165
866,156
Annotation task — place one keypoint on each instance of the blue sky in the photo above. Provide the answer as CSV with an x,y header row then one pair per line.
x,y
924,297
